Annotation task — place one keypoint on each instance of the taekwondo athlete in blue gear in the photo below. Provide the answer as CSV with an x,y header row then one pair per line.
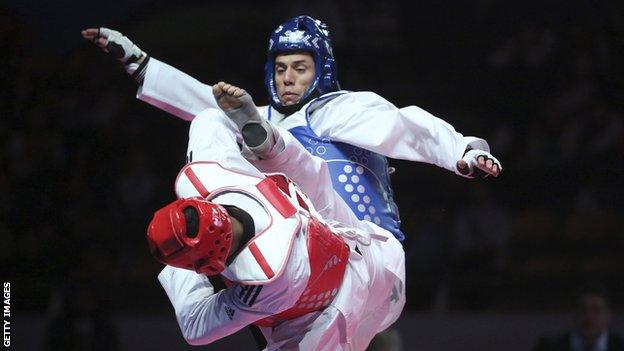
x,y
360,176
356,130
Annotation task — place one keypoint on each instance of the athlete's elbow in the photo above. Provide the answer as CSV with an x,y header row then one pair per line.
x,y
195,339
196,342
195,334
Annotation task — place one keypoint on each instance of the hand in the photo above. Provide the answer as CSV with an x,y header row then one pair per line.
x,y
478,160
118,45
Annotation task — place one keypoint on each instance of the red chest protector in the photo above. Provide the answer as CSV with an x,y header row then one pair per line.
x,y
328,254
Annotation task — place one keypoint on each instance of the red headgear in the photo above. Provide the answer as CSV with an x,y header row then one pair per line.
x,y
200,244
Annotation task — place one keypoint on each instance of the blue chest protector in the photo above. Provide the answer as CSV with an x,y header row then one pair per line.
x,y
360,177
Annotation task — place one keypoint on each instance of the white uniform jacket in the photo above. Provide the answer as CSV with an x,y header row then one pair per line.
x,y
363,119
372,293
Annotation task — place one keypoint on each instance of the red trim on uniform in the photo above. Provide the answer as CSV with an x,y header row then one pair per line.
x,y
280,180
269,189
253,248
201,189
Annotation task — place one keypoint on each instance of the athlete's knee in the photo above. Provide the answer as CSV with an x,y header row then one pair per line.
x,y
210,120
209,116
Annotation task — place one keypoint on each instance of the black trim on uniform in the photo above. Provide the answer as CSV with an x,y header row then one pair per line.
x,y
256,293
138,75
249,293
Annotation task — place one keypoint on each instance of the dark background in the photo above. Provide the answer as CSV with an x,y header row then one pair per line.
x,y
85,164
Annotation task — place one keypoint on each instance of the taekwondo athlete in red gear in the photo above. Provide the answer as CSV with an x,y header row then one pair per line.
x,y
311,280
353,131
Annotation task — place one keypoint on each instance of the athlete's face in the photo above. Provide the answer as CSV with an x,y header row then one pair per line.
x,y
294,73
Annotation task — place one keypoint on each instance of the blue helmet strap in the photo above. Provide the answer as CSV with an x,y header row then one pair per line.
x,y
288,110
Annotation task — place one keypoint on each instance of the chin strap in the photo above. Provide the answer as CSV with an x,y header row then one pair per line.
x,y
288,110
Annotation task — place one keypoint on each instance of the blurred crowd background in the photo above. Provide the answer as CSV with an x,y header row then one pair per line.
x,y
85,164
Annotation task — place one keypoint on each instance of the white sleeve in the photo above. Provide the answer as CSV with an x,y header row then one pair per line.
x,y
213,137
367,120
174,91
204,316
311,174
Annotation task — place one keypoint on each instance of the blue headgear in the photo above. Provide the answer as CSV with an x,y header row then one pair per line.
x,y
306,34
